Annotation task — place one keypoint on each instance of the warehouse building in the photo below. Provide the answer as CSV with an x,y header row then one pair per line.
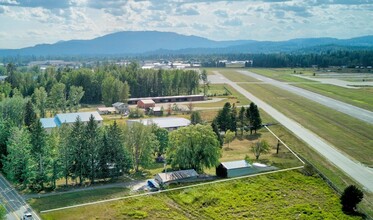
x,y
69,118
169,123
165,99
145,103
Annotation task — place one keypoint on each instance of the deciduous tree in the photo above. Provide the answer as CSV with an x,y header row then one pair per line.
x,y
259,148
194,147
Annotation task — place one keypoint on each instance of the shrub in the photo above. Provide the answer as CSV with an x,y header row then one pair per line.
x,y
351,196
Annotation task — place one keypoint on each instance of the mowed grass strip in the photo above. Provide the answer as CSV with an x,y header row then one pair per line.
x,y
284,75
362,97
350,135
286,195
234,98
234,76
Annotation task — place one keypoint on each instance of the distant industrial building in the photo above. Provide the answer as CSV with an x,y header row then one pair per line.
x,y
165,99
176,176
145,103
69,118
240,168
169,123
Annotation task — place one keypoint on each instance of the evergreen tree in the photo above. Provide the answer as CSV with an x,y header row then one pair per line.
x,y
79,158
91,141
39,152
224,117
30,116
215,128
350,197
241,118
195,118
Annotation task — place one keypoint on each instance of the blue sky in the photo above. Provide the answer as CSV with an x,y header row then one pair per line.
x,y
29,22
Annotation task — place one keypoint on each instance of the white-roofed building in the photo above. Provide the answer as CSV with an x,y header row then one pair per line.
x,y
69,118
169,123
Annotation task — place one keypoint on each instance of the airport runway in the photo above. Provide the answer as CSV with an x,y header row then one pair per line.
x,y
353,111
355,170
13,202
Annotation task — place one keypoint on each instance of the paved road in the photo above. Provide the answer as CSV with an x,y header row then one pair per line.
x,y
353,111
356,171
13,202
338,82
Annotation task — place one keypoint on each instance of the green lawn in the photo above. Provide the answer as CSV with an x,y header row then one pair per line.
x,y
283,74
362,97
73,198
344,132
286,195
234,76
233,97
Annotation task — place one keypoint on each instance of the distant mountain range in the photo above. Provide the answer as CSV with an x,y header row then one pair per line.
x,y
154,42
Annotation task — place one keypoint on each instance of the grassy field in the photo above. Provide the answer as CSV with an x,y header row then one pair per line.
x,y
234,76
362,97
233,97
286,195
346,133
283,74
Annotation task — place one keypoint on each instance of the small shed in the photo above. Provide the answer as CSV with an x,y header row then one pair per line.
x,y
234,169
145,103
106,110
176,176
156,111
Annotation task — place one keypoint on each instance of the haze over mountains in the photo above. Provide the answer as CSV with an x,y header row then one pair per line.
x,y
154,42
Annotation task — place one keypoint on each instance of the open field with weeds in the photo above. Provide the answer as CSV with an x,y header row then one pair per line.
x,y
283,74
285,195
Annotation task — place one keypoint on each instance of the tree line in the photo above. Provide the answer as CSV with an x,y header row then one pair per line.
x,y
83,152
105,83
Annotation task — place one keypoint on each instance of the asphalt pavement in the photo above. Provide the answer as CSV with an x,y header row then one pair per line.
x,y
360,173
13,202
353,111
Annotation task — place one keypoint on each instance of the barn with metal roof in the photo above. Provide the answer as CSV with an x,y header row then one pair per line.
x,y
176,176
240,168
69,118
169,123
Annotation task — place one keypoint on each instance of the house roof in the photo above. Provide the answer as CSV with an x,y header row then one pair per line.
x,y
84,117
156,109
177,175
147,101
49,122
109,109
236,164
169,122
117,104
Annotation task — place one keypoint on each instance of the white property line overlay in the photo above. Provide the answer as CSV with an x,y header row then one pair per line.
x,y
285,145
168,190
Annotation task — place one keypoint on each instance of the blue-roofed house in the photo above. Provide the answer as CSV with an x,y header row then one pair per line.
x,y
69,118
169,123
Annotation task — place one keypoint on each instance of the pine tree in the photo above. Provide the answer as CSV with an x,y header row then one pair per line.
x,y
30,116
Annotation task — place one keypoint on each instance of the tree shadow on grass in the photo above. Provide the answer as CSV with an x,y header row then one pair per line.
x,y
252,137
